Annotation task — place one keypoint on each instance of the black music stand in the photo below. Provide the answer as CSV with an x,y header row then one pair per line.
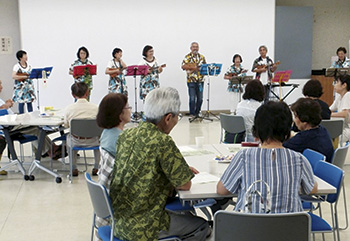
x,y
336,72
135,70
208,70
40,73
239,81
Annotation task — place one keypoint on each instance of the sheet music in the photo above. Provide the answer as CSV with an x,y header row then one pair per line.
x,y
189,151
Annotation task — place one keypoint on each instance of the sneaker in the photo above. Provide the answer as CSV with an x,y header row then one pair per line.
x,y
94,172
75,172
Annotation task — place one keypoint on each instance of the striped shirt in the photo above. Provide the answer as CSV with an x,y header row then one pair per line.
x,y
285,171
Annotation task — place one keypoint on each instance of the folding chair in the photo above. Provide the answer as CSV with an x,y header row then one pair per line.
x,y
335,130
229,225
102,206
339,158
82,128
231,124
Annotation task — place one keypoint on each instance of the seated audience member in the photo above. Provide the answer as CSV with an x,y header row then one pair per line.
x,y
284,171
81,109
253,96
341,105
307,117
313,90
113,113
4,105
148,166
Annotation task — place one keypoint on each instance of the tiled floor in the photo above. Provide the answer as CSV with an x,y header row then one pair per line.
x,y
44,210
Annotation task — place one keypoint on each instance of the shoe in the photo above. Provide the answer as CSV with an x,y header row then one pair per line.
x,y
3,172
75,172
94,171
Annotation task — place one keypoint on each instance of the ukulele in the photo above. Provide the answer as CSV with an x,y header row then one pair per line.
x,y
151,69
190,66
234,74
267,65
115,74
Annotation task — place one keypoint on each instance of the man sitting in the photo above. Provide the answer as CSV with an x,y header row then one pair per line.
x,y
81,109
147,168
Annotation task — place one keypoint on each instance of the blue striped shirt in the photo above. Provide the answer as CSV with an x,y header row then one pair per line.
x,y
285,171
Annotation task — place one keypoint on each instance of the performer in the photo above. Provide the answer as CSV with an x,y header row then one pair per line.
x,y
235,70
194,78
117,83
264,67
24,87
82,55
343,61
151,80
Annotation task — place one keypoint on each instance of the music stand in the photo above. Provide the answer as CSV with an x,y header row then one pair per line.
x,y
81,70
40,73
336,72
208,70
240,80
281,77
135,70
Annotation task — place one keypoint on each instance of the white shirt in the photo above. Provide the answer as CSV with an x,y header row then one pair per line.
x,y
81,109
263,76
151,64
247,109
340,104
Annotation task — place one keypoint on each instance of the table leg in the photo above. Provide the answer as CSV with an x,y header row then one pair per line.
x,y
36,163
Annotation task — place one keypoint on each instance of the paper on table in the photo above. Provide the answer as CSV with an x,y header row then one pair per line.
x,y
189,151
204,177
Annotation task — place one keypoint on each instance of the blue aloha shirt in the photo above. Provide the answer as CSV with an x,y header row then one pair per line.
x,y
149,82
233,70
24,90
87,78
115,84
341,64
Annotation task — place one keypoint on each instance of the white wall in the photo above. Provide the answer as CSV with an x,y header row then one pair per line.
x,y
222,29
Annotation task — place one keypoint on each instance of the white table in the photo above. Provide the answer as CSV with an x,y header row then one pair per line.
x,y
206,163
29,119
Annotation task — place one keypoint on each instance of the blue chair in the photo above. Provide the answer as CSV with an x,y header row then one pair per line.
x,y
313,157
334,176
102,206
23,139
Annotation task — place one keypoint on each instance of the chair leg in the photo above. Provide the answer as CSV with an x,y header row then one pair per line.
x,y
86,167
71,164
22,152
346,209
93,227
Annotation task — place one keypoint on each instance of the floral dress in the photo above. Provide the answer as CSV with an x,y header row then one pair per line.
x,y
117,84
150,81
23,90
233,70
86,78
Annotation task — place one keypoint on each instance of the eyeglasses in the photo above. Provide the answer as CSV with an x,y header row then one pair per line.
x,y
179,115
128,107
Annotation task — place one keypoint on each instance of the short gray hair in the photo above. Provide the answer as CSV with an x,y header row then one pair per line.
x,y
160,102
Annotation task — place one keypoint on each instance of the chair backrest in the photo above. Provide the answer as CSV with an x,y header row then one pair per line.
x,y
85,128
230,225
99,198
331,174
3,112
334,127
231,124
313,157
339,156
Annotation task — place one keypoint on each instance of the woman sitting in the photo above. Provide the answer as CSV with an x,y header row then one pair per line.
x,y
252,98
283,171
307,117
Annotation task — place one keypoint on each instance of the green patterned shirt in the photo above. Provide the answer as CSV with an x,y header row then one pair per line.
x,y
148,164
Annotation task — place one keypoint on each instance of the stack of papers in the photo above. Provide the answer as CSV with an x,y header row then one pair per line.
x,y
204,177
188,151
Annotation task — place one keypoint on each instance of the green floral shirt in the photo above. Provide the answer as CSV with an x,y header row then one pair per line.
x,y
148,164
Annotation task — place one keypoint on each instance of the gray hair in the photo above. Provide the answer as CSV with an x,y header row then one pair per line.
x,y
160,102
194,43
